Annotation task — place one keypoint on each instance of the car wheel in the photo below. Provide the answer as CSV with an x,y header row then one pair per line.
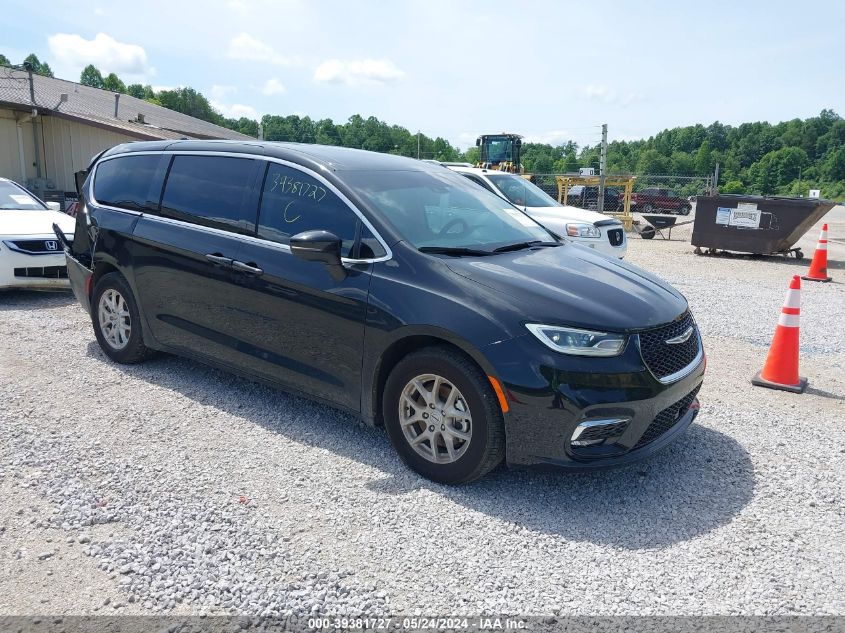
x,y
684,210
442,416
647,208
117,324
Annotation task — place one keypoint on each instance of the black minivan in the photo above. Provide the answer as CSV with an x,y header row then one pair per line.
x,y
391,288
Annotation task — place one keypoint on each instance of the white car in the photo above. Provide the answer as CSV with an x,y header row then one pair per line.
x,y
31,256
590,228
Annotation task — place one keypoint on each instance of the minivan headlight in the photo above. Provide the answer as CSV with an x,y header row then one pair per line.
x,y
577,342
582,230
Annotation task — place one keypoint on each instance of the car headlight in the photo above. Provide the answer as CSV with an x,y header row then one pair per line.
x,y
577,342
582,230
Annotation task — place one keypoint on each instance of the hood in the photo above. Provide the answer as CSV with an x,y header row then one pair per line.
x,y
34,222
573,285
566,214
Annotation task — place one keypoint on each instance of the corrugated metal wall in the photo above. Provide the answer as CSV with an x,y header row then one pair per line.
x,y
65,147
10,164
69,146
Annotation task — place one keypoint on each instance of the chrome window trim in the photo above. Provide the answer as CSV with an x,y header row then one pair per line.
x,y
270,159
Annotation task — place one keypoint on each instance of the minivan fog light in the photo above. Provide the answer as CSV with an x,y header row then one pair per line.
x,y
578,342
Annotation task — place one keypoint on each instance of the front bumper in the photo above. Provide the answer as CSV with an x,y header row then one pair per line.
x,y
24,270
554,394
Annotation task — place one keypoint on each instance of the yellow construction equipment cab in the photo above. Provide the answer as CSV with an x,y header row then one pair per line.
x,y
500,151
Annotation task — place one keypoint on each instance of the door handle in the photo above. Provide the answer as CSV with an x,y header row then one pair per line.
x,y
218,259
247,268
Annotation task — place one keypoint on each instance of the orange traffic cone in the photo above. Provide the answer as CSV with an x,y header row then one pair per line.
x,y
781,368
818,269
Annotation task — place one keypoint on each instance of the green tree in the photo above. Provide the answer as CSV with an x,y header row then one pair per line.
x,y
189,101
91,77
113,83
834,165
732,186
472,155
38,67
4,61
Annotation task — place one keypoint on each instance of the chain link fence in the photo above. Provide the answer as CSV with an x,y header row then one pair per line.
x,y
652,193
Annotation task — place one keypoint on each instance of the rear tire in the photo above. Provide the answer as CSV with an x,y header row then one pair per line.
x,y
684,210
647,208
449,449
116,320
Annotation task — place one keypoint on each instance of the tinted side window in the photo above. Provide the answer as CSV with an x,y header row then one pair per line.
x,y
293,202
214,191
128,182
369,247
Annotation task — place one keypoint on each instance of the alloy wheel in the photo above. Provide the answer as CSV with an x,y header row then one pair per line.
x,y
435,418
115,322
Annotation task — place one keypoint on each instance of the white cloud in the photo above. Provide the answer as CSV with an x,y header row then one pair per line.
x,y
244,47
610,96
99,11
273,87
73,52
235,110
221,92
552,137
358,72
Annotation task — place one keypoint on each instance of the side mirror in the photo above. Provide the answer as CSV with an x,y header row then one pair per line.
x,y
319,246
54,206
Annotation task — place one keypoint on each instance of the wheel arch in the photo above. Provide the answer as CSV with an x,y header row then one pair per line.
x,y
404,343
101,269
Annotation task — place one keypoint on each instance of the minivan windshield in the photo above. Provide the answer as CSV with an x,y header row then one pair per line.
x,y
521,191
13,197
442,209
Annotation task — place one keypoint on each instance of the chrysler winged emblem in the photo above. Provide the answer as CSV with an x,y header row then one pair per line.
x,y
681,338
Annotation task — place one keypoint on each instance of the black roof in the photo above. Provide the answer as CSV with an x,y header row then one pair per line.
x,y
321,156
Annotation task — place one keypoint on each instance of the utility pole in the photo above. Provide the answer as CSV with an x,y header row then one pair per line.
x,y
418,144
29,69
602,168
715,188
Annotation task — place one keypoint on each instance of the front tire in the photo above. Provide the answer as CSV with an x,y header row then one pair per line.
x,y
116,320
684,210
442,416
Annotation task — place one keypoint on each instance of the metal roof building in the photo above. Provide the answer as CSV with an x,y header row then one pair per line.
x,y
50,128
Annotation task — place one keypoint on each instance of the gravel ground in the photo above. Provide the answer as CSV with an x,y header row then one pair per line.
x,y
174,488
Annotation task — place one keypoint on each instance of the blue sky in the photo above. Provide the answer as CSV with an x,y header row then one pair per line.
x,y
549,70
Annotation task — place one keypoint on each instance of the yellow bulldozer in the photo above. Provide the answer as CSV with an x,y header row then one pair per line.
x,y
500,152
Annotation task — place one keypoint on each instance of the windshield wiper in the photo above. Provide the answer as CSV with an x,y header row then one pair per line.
x,y
458,251
518,246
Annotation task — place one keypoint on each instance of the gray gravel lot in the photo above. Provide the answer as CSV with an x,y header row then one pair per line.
x,y
170,487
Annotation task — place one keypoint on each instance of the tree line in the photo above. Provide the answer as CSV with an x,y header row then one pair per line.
x,y
786,158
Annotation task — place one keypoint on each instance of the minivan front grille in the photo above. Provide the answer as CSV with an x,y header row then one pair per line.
x,y
42,272
667,418
615,237
664,359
